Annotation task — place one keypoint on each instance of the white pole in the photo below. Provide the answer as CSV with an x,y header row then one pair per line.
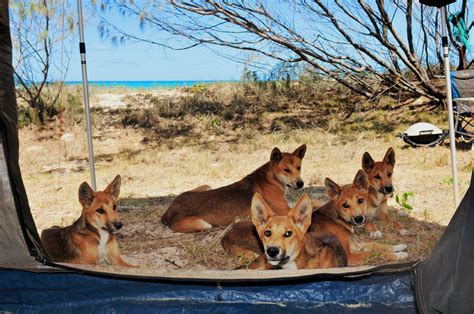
x,y
85,90
452,139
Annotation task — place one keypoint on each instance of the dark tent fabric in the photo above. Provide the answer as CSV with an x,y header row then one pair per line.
x,y
75,293
20,215
13,249
437,3
445,281
15,218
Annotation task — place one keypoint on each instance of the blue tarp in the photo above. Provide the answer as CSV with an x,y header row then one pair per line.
x,y
22,291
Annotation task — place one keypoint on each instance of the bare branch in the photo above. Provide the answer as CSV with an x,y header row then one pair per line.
x,y
356,43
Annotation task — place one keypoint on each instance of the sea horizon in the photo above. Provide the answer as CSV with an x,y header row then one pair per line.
x,y
148,84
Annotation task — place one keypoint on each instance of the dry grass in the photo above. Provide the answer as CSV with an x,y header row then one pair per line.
x,y
162,159
156,246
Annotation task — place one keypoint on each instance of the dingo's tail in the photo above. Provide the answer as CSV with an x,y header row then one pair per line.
x,y
333,242
165,218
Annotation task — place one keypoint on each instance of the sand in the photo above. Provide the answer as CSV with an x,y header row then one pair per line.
x,y
54,164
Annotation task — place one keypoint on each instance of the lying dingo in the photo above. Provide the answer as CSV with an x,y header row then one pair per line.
x,y
91,238
346,210
203,208
286,243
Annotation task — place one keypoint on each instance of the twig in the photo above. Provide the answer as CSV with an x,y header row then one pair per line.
x,y
172,263
227,229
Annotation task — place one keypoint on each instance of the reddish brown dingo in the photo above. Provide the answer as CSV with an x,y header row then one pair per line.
x,y
202,208
381,187
91,238
346,210
286,243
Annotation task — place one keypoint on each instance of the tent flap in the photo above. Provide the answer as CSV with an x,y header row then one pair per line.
x,y
14,251
445,281
12,183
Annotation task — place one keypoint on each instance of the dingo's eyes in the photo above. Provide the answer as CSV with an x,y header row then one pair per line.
x,y
345,205
115,207
267,233
360,200
288,234
299,168
377,177
287,170
389,174
100,210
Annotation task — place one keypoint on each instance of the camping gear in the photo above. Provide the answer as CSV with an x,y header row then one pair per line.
x,y
463,98
442,5
423,134
460,31
85,94
444,282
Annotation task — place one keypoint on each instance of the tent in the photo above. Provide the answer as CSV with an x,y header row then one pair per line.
x,y
30,281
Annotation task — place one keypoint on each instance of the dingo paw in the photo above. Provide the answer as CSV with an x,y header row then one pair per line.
x,y
401,255
404,232
376,235
399,247
401,213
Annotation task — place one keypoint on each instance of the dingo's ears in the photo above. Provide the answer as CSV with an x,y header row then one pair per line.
x,y
368,162
389,158
276,156
261,212
302,212
300,151
361,181
86,194
332,188
114,187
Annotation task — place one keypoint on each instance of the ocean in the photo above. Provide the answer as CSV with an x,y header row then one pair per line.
x,y
145,84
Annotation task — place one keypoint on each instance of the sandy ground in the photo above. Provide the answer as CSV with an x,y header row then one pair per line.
x,y
116,99
54,165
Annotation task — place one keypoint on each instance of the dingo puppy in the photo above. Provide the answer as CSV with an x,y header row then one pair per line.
x,y
381,187
90,239
286,243
202,208
346,210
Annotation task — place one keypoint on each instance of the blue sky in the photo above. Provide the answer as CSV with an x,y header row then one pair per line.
x,y
143,61
136,61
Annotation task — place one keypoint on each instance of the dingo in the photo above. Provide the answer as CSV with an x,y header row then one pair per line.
x,y
286,243
202,208
90,239
346,210
381,187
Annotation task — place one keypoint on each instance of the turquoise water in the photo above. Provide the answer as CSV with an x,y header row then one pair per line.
x,y
144,84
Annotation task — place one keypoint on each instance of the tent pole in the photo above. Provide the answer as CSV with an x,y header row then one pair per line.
x,y
449,99
85,90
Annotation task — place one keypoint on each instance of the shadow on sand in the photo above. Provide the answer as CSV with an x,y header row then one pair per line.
x,y
153,245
